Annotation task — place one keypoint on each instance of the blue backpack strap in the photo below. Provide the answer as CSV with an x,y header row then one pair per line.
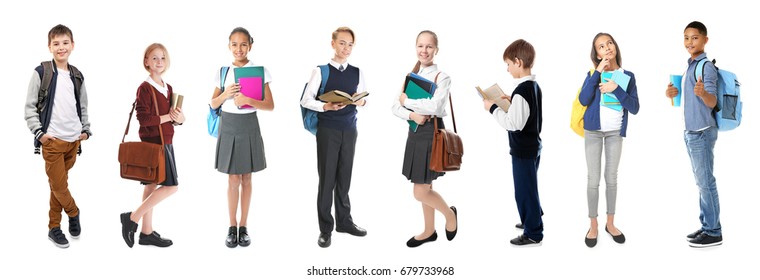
x,y
325,70
700,69
223,76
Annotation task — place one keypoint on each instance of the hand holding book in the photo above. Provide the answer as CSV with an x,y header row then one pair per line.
x,y
337,96
495,95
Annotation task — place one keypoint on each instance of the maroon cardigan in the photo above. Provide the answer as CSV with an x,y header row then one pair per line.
x,y
147,116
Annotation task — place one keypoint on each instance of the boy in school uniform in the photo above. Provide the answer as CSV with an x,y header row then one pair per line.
x,y
336,138
523,123
700,133
58,119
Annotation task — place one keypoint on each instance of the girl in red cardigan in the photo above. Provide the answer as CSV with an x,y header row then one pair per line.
x,y
156,61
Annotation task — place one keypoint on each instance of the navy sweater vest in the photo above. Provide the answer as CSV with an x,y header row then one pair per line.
x,y
346,81
526,143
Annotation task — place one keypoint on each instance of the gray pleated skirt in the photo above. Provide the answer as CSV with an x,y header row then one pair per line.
x,y
417,154
239,147
171,167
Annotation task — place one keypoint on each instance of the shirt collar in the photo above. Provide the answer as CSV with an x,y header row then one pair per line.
x,y
430,69
158,87
700,57
526,78
338,65
250,63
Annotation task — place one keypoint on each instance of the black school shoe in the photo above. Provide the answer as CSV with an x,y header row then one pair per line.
x,y
524,241
154,239
413,242
451,234
243,238
128,229
59,239
232,239
703,240
74,227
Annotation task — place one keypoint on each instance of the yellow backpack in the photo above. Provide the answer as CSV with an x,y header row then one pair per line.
x,y
576,116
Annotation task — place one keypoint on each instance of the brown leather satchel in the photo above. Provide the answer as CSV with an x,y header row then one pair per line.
x,y
447,151
142,161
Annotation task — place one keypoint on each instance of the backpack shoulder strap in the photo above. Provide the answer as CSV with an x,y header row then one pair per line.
x,y
45,79
223,76
325,71
699,70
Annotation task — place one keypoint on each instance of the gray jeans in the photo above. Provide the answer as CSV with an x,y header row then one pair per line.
x,y
612,143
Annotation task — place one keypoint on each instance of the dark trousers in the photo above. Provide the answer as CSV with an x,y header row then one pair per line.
x,y
335,162
524,173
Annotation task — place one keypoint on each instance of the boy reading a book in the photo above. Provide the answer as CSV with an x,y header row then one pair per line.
x,y
336,138
523,123
58,120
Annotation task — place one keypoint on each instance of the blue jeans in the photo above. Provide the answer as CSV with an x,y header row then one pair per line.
x,y
700,146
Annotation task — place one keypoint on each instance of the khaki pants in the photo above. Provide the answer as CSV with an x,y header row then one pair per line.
x,y
59,157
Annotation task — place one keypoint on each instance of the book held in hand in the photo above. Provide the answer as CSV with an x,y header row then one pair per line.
x,y
176,101
251,81
337,96
417,87
494,94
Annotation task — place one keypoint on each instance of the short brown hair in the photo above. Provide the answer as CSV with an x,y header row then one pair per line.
x,y
522,50
153,47
343,29
59,30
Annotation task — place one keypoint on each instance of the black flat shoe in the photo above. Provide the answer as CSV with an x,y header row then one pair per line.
x,y
243,238
232,239
324,240
451,234
413,242
620,239
590,242
154,239
128,229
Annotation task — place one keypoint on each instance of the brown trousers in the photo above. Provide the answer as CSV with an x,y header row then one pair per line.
x,y
59,157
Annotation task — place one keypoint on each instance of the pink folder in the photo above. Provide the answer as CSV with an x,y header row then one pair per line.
x,y
251,87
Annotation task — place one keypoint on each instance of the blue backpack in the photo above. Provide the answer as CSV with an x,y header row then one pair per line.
x,y
728,112
212,120
310,117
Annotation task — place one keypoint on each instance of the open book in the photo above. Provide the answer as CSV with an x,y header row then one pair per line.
x,y
176,101
494,94
337,96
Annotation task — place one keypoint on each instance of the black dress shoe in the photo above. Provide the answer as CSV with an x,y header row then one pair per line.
x,y
324,240
590,242
243,238
128,229
154,239
232,239
451,234
413,242
620,239
353,229
520,226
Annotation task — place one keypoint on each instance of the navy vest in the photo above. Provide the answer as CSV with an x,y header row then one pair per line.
x,y
346,81
526,143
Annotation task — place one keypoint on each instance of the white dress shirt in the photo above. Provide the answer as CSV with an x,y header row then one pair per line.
x,y
519,111
436,106
310,101
230,107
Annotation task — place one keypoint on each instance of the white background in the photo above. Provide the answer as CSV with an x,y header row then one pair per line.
x,y
657,197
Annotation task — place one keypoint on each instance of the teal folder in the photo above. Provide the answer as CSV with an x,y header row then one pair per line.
x,y
414,90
